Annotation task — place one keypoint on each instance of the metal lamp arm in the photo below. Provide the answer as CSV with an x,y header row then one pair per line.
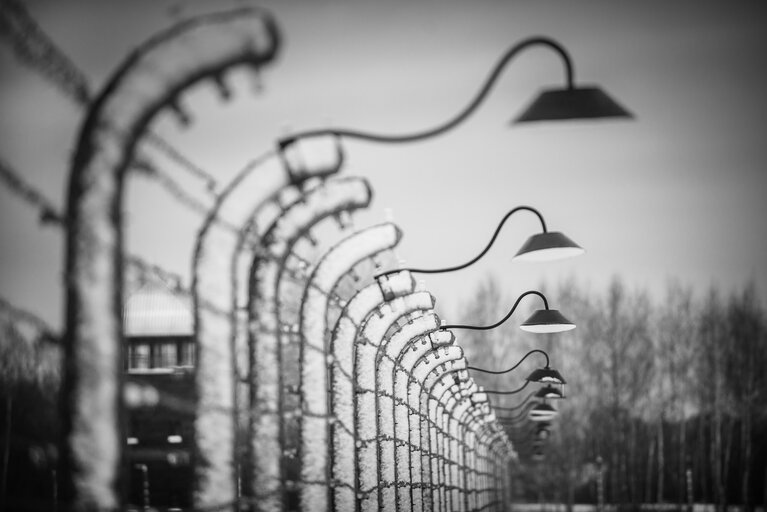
x,y
502,320
522,415
512,392
462,115
539,351
478,256
516,407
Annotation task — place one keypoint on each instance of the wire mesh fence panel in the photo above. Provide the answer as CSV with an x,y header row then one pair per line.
x,y
343,348
279,277
316,358
317,384
369,340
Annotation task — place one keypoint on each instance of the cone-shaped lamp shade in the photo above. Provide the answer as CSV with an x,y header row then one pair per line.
x,y
542,412
547,376
548,246
576,103
547,320
549,391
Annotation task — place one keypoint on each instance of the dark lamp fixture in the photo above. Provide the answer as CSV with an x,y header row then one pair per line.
x,y
549,391
572,103
542,412
547,321
568,102
548,246
546,375
544,246
542,321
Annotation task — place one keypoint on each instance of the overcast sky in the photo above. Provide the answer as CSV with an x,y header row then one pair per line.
x,y
679,192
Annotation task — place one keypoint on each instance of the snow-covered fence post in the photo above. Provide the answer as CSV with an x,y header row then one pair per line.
x,y
422,373
478,421
375,492
410,450
475,403
463,403
393,415
148,81
452,393
458,395
353,317
448,392
433,388
316,359
217,321
278,278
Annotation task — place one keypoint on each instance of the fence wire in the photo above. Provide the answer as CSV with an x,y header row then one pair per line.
x,y
348,401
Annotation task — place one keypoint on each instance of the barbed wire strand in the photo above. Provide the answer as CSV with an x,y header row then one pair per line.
x,y
49,213
37,50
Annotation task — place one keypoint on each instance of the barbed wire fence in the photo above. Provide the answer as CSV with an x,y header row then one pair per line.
x,y
344,383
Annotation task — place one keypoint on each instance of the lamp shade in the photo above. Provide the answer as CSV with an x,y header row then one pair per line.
x,y
573,103
547,320
546,375
548,246
542,412
549,391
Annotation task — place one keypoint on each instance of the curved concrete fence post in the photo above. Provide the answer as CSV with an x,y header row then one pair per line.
x,y
462,402
455,396
437,403
369,339
393,415
217,321
422,371
148,81
474,453
445,391
279,274
321,295
354,315
477,420
409,448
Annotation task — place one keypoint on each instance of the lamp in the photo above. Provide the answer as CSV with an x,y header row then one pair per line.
x,y
549,391
546,375
547,321
542,412
548,246
542,321
570,102
545,246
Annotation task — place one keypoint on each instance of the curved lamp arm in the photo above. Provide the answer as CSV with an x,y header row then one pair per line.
x,y
516,419
513,367
516,407
499,322
478,256
512,392
462,115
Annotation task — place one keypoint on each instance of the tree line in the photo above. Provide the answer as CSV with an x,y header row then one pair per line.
x,y
666,398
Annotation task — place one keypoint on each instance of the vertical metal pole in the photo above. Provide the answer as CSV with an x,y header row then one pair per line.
x,y
144,484
55,505
689,489
600,486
